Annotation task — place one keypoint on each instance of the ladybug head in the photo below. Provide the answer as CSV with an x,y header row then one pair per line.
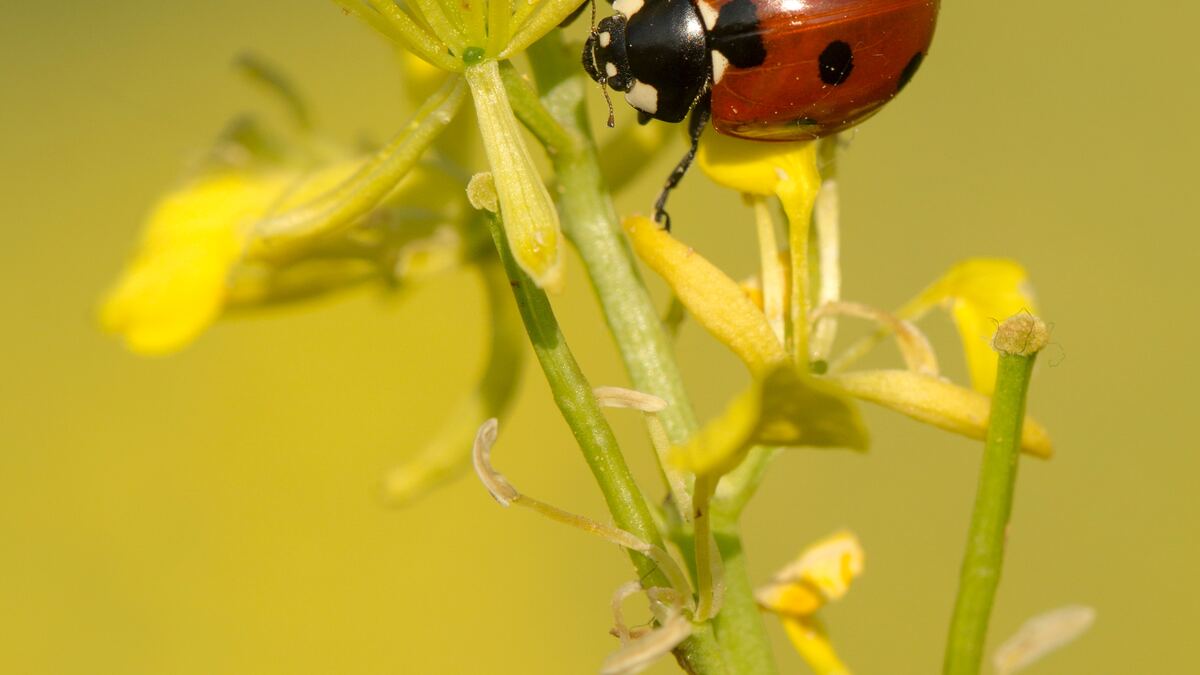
x,y
655,52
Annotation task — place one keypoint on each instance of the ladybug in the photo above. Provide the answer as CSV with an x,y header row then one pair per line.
x,y
765,70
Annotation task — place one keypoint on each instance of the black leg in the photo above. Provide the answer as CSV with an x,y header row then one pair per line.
x,y
701,112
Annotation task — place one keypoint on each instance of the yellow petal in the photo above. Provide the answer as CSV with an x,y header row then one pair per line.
x,y
717,302
753,168
979,293
822,572
937,402
810,639
782,408
176,284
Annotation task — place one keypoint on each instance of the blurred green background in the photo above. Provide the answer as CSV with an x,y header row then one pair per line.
x,y
217,511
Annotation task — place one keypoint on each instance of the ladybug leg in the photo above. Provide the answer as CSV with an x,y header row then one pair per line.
x,y
701,112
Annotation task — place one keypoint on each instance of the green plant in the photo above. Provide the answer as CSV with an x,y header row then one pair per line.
x,y
273,219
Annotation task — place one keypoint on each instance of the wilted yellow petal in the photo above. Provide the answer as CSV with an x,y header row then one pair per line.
x,y
809,638
979,293
176,284
1041,635
822,572
937,402
530,218
783,408
715,300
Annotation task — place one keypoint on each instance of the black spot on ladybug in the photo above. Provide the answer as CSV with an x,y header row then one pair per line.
x,y
906,75
836,62
737,35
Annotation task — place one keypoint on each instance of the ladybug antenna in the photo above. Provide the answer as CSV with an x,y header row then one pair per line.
x,y
591,65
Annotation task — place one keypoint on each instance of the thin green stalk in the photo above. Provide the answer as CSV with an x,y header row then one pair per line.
x,y
590,221
738,486
546,16
443,28
1018,341
559,120
702,534
573,395
340,207
739,626
386,17
700,653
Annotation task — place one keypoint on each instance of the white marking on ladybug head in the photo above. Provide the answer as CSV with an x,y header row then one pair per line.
x,y
628,7
707,12
642,96
605,39
610,69
719,64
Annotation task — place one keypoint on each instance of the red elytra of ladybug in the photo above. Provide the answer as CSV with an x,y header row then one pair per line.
x,y
768,70
829,65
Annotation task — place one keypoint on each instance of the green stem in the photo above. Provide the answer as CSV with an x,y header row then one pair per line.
x,y
699,654
738,486
993,505
559,120
702,534
739,626
573,395
339,208
394,23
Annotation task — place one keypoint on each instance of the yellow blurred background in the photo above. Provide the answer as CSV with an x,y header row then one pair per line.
x,y
217,511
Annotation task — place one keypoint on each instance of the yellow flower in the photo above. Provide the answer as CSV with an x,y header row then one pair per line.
x,y
176,284
822,573
472,40
193,262
979,293
270,220
792,401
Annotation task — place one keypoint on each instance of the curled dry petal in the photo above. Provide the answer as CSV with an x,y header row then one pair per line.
x,y
499,487
914,346
937,402
639,654
1041,635
619,397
